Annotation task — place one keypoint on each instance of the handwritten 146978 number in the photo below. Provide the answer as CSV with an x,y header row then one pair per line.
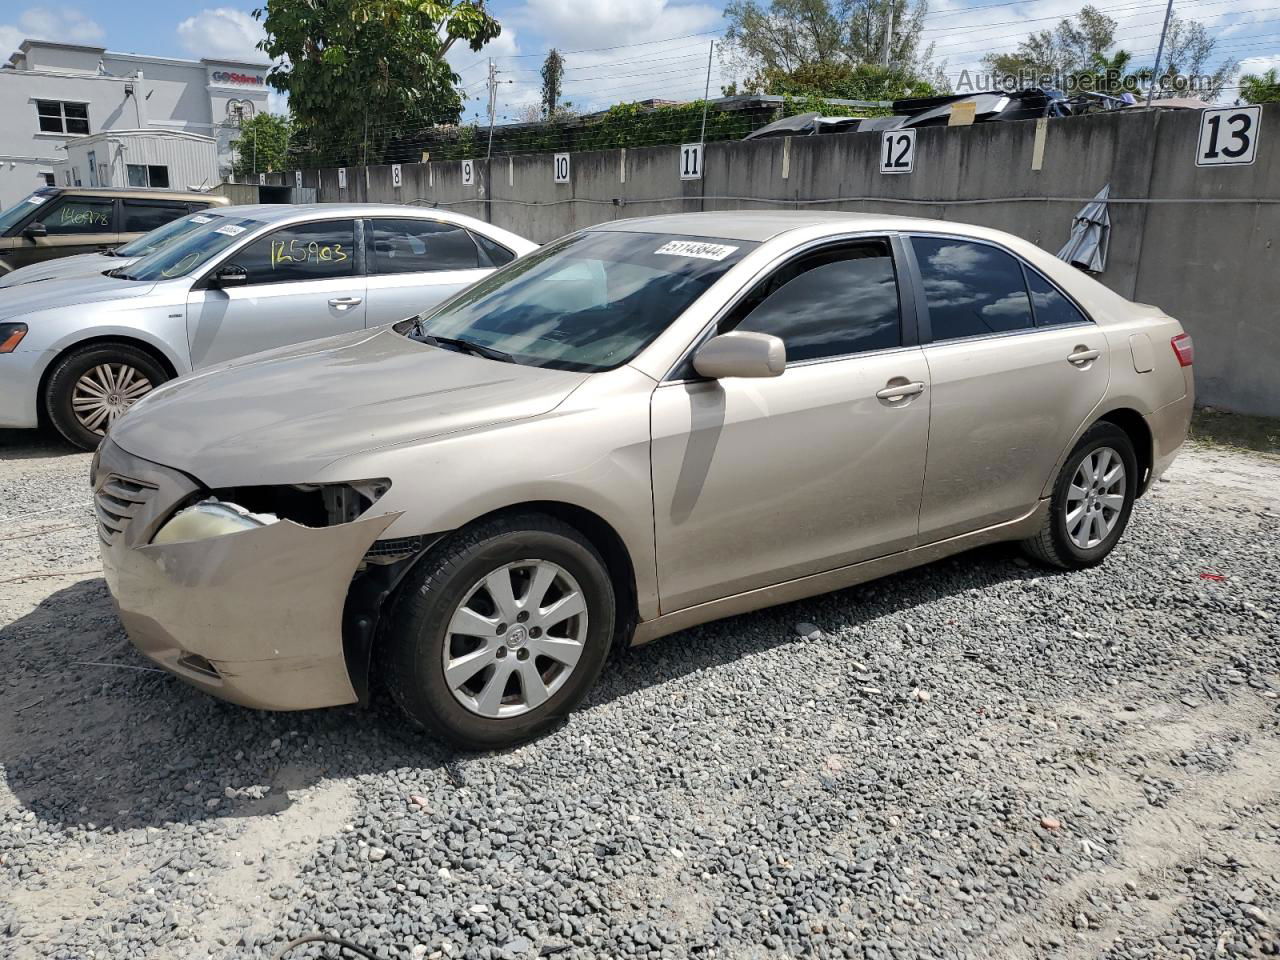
x,y
296,251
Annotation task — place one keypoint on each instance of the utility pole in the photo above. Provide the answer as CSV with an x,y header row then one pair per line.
x,y
888,36
1155,73
706,94
493,103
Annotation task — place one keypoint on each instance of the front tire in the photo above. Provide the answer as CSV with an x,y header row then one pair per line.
x,y
1091,502
91,387
499,632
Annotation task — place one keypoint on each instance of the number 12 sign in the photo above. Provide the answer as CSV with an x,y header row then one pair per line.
x,y
1228,136
897,151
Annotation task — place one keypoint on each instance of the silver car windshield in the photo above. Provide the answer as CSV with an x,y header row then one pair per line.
x,y
590,302
191,252
20,210
149,243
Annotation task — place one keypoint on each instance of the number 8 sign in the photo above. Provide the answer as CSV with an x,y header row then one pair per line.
x,y
897,151
1228,136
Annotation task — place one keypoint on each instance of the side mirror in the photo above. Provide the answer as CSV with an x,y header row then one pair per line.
x,y
741,355
231,275
35,231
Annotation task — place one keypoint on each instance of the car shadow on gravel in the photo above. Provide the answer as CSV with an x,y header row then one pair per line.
x,y
33,445
95,735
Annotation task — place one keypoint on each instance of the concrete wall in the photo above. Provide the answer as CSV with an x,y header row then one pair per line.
x,y
1198,241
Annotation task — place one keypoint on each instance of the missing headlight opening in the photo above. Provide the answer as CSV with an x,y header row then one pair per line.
x,y
230,510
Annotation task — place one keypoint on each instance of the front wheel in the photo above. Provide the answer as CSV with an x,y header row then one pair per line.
x,y
91,387
1092,499
500,632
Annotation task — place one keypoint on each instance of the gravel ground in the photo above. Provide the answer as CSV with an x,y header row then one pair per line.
x,y
976,759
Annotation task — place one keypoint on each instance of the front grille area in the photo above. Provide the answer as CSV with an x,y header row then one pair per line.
x,y
117,502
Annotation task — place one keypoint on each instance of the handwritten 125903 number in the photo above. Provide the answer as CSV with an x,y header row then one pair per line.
x,y
296,251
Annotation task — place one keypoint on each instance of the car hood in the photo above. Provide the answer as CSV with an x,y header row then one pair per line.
x,y
79,265
27,298
281,416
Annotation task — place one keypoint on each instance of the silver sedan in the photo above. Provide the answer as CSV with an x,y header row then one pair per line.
x,y
84,348
638,428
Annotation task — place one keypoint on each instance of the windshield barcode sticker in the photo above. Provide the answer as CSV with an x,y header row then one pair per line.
x,y
201,219
230,230
692,248
36,200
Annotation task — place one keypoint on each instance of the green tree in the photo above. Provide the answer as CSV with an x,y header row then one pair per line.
x,y
844,81
262,145
765,40
1074,46
1188,48
552,82
359,73
1263,88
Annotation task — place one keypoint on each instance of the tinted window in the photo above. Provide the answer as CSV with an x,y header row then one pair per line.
x,y
73,216
971,288
588,302
306,251
1051,307
417,246
830,304
142,216
20,211
492,253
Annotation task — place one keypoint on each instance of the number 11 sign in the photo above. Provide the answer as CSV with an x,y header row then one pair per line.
x,y
897,151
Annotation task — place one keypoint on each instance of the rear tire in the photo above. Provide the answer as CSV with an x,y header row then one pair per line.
x,y
1091,502
91,387
508,681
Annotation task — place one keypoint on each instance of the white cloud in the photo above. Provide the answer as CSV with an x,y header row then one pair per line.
x,y
222,33
46,23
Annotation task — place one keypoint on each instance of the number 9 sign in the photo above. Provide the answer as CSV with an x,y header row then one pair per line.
x,y
1228,136
468,172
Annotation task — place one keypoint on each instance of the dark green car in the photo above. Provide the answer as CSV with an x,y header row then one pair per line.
x,y
58,222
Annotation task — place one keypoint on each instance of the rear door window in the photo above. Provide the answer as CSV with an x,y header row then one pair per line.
x,y
972,289
76,215
420,246
305,251
1051,307
143,216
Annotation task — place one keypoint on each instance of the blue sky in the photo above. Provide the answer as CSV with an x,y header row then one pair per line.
x,y
623,49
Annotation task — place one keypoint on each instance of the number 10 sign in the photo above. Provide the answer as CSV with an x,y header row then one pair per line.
x,y
897,151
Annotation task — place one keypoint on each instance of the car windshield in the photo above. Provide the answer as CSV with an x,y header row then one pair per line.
x,y
149,243
190,252
20,210
590,302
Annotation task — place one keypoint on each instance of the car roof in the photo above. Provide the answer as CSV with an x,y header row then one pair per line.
x,y
761,225
276,212
142,193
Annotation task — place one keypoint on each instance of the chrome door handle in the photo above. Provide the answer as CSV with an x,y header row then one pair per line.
x,y
900,391
343,302
1081,356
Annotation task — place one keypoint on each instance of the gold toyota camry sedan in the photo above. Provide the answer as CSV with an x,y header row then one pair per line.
x,y
637,428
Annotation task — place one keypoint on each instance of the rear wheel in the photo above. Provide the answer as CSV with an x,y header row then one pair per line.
x,y
500,632
91,387
1092,499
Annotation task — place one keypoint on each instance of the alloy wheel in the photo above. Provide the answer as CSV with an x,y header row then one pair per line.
x,y
105,391
1095,498
515,638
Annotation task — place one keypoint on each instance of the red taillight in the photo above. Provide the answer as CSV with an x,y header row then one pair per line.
x,y
1184,349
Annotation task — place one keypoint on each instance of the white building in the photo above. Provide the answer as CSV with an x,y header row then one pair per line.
x,y
53,94
168,159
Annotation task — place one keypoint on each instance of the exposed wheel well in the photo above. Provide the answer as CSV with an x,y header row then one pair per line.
x,y
1132,423
142,345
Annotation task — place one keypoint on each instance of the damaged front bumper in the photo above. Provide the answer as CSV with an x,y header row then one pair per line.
x,y
255,616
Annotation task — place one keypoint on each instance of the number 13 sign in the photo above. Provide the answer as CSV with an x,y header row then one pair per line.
x,y
1228,136
897,151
